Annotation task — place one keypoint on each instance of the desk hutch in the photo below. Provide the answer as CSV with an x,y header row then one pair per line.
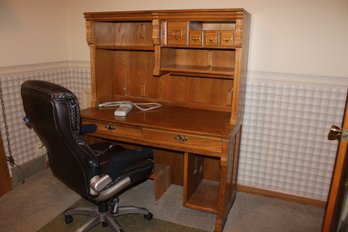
x,y
190,61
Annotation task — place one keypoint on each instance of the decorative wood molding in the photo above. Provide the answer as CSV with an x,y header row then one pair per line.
x,y
238,35
89,37
280,195
156,32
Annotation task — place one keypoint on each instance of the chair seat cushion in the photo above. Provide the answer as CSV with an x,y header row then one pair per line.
x,y
128,161
103,152
116,161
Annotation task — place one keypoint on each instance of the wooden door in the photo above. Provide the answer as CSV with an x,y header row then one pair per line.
x,y
5,179
339,183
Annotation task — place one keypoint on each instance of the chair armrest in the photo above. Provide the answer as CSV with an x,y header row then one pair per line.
x,y
98,186
114,189
98,183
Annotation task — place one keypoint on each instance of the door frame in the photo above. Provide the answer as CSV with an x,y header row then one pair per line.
x,y
5,178
337,189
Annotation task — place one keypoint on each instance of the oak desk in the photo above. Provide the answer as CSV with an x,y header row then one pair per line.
x,y
192,62
205,137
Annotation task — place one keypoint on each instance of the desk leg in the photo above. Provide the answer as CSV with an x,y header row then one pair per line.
x,y
228,179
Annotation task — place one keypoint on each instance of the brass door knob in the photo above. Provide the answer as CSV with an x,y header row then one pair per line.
x,y
335,132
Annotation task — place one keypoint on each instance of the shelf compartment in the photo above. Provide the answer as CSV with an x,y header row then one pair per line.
x,y
117,75
201,188
199,91
213,25
198,61
205,197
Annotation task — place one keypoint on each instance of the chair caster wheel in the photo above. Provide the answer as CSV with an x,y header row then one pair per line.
x,y
68,219
104,224
148,216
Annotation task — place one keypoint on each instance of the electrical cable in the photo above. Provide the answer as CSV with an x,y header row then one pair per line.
x,y
9,157
143,106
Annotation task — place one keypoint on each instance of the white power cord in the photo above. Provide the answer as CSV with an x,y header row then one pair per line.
x,y
143,106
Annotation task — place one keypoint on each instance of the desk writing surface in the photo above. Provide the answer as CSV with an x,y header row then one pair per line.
x,y
172,118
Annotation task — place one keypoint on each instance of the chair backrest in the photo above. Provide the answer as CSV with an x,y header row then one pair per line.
x,y
54,114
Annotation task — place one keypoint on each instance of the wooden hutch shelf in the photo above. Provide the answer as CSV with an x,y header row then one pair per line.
x,y
226,73
129,48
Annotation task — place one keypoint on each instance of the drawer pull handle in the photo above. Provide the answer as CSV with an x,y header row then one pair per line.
x,y
110,127
177,34
195,38
180,138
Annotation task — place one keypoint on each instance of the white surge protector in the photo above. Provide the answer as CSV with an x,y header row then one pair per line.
x,y
123,109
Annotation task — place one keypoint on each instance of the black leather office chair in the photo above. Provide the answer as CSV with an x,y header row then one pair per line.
x,y
99,172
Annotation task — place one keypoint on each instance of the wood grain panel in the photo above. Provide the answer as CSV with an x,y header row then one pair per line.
x,y
106,72
197,90
123,33
173,159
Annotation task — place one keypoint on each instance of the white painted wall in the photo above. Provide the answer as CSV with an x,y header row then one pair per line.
x,y
32,31
308,37
293,36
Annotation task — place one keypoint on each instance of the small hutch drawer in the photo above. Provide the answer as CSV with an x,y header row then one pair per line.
x,y
227,39
211,38
196,38
177,33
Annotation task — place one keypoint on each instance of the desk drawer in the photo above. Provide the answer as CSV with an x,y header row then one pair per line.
x,y
183,140
112,129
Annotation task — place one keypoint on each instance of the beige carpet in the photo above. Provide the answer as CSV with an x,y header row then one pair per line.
x,y
32,205
132,222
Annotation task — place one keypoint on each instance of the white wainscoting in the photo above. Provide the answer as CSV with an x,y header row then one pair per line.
x,y
284,144
287,117
23,140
